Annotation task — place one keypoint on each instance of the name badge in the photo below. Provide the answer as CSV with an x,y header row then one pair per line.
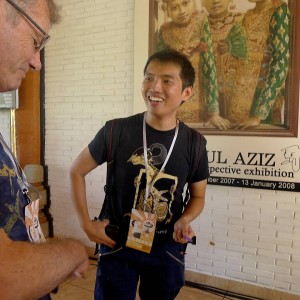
x,y
141,230
34,229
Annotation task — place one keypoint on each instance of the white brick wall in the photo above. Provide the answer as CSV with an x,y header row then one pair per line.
x,y
251,235
88,81
244,234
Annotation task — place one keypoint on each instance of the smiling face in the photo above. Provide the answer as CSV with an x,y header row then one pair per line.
x,y
17,50
180,11
162,89
216,8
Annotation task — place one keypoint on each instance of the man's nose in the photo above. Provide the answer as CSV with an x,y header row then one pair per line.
x,y
35,62
156,85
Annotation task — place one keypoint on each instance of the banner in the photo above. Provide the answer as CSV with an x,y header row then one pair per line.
x,y
277,168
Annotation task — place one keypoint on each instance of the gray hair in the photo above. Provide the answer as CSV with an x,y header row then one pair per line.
x,y
30,6
54,12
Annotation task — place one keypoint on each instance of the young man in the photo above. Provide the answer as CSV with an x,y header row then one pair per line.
x,y
156,156
27,271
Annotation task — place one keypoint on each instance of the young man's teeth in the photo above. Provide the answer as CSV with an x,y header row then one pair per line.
x,y
155,99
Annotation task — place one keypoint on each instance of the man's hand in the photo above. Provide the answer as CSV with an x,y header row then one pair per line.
x,y
183,231
95,231
81,270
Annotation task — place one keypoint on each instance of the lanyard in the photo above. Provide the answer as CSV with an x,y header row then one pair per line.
x,y
21,178
151,181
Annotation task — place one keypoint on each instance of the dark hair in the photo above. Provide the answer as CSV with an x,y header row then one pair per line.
x,y
187,72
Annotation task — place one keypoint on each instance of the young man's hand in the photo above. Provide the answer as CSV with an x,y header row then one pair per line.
x,y
183,232
95,231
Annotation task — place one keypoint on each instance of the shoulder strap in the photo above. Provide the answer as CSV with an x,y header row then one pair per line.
x,y
112,136
112,132
196,155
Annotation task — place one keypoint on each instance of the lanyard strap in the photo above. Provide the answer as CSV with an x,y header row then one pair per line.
x,y
151,180
21,178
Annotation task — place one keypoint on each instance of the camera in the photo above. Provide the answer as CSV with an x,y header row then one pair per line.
x,y
112,231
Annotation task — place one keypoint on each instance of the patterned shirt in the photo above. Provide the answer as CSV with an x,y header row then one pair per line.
x,y
12,199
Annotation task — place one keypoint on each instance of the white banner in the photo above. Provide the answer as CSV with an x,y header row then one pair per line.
x,y
254,162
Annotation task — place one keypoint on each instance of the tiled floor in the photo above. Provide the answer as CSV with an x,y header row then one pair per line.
x,y
82,289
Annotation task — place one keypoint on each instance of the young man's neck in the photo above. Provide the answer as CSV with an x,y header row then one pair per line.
x,y
163,123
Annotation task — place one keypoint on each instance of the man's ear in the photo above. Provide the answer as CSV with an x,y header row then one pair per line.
x,y
187,93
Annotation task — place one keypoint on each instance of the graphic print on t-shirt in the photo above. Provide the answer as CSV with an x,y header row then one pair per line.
x,y
161,185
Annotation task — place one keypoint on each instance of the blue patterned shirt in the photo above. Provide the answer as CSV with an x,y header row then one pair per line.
x,y
12,200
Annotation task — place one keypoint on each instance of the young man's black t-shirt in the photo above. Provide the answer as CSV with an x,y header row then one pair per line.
x,y
166,196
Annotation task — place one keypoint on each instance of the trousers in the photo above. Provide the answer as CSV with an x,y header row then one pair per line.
x,y
158,275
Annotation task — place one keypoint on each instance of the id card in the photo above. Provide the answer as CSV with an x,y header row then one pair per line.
x,y
141,230
34,229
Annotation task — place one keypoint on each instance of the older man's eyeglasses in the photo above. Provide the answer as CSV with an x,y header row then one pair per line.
x,y
37,45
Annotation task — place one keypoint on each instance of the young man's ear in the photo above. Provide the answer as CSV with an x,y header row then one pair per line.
x,y
187,93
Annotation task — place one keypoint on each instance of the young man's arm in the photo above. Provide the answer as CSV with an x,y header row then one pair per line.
x,y
30,271
191,212
95,230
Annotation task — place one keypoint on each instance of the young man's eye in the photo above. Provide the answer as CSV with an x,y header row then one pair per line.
x,y
168,81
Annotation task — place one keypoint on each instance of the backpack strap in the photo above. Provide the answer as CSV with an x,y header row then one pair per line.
x,y
112,132
197,140
198,147
196,155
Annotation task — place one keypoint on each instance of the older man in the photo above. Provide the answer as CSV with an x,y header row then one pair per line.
x,y
27,271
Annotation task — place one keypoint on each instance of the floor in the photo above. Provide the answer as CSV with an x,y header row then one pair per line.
x,y
82,289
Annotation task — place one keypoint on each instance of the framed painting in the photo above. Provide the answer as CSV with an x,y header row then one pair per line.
x,y
246,56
